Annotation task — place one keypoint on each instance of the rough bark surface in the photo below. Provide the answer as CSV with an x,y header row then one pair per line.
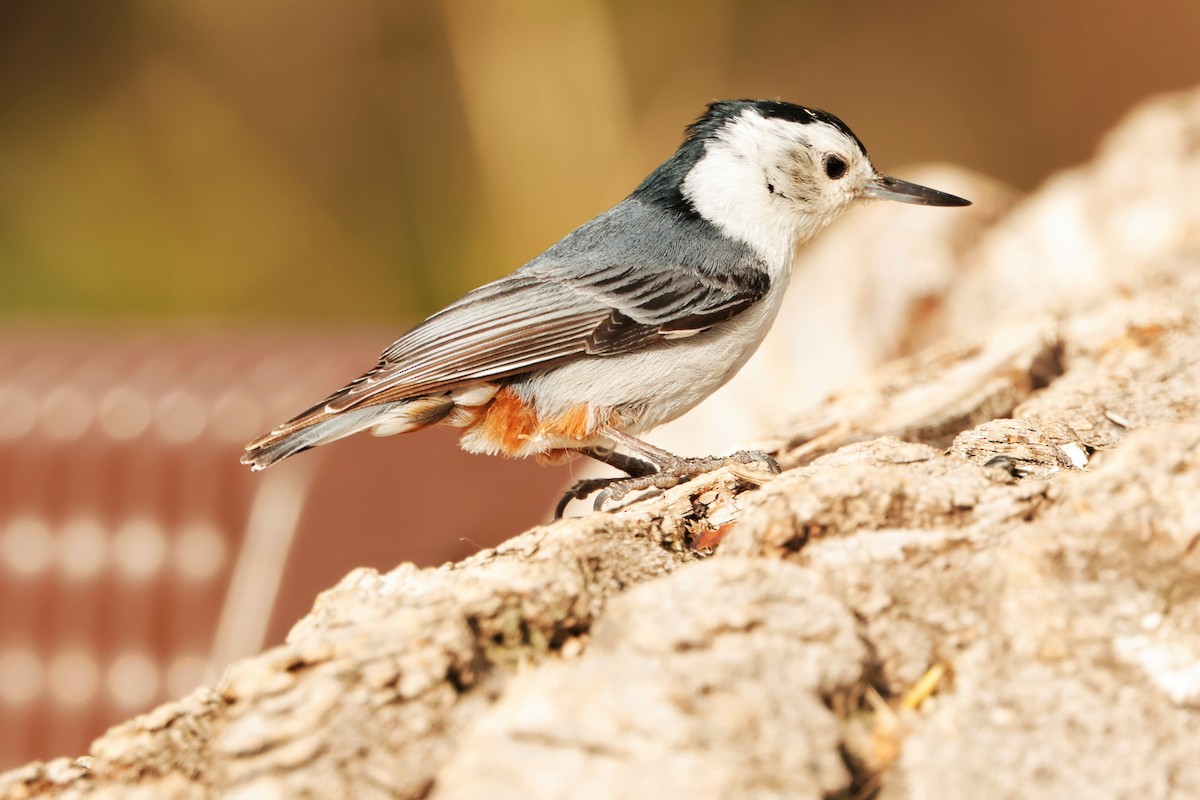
x,y
978,576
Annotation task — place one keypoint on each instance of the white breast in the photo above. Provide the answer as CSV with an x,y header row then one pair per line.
x,y
661,382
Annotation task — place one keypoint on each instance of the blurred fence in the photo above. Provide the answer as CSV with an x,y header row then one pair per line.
x,y
137,557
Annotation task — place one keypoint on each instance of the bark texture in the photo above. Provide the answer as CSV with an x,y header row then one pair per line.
x,y
978,575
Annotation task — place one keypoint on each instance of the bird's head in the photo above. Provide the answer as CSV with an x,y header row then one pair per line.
x,y
772,174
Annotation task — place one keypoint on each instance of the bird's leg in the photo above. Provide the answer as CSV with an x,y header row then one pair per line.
x,y
682,469
671,469
631,466
649,467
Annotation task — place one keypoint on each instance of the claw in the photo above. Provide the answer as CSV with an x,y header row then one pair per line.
x,y
758,457
580,490
562,504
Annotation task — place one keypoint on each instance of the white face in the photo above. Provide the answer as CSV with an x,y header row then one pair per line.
x,y
773,183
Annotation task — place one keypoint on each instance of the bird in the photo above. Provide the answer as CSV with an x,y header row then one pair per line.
x,y
628,321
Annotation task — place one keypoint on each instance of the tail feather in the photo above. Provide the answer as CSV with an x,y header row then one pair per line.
x,y
313,428
320,425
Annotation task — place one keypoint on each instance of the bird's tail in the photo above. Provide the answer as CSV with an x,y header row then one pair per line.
x,y
310,429
319,426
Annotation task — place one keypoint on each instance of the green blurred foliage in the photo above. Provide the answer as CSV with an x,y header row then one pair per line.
x,y
361,161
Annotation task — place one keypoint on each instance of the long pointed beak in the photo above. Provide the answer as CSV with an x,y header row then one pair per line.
x,y
888,188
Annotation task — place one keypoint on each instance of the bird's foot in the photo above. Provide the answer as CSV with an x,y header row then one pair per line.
x,y
671,472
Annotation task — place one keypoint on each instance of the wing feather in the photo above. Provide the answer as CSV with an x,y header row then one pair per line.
x,y
578,299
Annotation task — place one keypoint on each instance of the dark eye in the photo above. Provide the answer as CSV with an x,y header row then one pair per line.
x,y
834,167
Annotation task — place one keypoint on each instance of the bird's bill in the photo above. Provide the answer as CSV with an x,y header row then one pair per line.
x,y
885,187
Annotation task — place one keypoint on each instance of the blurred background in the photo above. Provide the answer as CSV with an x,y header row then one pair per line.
x,y
212,213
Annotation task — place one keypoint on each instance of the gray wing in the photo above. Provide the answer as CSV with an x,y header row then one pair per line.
x,y
580,298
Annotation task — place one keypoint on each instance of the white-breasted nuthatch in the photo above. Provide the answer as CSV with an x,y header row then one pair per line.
x,y
633,318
